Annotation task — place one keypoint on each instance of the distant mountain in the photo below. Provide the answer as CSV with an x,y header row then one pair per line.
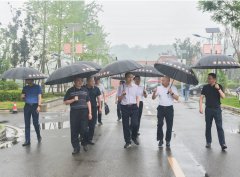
x,y
152,52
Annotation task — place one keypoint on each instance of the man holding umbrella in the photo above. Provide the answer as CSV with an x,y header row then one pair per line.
x,y
95,99
167,94
129,97
32,95
213,92
78,99
142,93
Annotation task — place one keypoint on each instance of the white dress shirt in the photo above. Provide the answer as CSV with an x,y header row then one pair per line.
x,y
140,92
166,99
131,94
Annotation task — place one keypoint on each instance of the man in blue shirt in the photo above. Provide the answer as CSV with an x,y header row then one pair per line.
x,y
32,95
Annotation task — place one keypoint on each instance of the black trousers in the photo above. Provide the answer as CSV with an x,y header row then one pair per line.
x,y
92,124
119,114
216,114
129,122
140,109
78,125
166,112
99,114
30,110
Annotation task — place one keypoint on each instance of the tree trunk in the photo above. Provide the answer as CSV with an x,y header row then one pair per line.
x,y
44,44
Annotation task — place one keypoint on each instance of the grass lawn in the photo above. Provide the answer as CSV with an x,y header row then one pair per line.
x,y
20,104
231,101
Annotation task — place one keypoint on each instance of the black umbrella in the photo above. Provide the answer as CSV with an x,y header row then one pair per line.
x,y
90,63
118,67
69,73
23,73
118,77
147,71
177,71
216,62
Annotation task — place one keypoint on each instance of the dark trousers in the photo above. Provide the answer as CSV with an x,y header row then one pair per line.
x,y
99,114
30,110
216,114
140,109
92,124
129,122
166,112
78,125
119,114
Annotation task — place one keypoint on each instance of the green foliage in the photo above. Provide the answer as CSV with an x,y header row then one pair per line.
x,y
232,85
10,95
231,101
225,12
8,85
186,49
222,78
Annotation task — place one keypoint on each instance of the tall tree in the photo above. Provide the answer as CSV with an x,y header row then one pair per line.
x,y
186,49
226,12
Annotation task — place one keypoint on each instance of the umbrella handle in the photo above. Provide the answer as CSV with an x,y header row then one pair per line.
x,y
171,85
172,80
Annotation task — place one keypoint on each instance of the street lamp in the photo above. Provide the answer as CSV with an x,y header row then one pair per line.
x,y
212,31
197,35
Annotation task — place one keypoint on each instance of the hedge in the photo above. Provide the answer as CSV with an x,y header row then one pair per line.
x,y
10,95
8,85
15,95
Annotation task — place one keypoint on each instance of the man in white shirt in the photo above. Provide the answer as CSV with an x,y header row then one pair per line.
x,y
142,93
102,97
128,95
118,102
165,109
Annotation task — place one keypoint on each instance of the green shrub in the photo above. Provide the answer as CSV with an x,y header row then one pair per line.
x,y
8,85
10,95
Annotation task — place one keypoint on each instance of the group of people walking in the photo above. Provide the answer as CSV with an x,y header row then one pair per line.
x,y
86,109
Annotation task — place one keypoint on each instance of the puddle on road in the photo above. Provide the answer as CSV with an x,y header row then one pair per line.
x,y
234,131
10,139
55,125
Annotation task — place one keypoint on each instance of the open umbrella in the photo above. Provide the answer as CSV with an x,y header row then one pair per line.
x,y
69,73
177,71
23,73
118,67
147,71
90,63
216,62
118,77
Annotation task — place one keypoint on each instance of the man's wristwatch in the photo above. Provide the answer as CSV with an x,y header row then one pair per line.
x,y
172,94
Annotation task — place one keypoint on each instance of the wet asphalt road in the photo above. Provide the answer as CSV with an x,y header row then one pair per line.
x,y
187,156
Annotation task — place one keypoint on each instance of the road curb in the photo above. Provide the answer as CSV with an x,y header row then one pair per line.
x,y
230,108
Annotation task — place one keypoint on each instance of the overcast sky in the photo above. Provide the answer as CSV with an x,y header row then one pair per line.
x,y
145,22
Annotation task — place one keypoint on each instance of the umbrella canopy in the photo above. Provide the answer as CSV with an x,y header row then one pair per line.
x,y
118,67
90,63
23,73
177,71
147,71
216,62
118,77
69,73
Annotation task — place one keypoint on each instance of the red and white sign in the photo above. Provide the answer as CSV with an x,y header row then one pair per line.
x,y
67,48
79,48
